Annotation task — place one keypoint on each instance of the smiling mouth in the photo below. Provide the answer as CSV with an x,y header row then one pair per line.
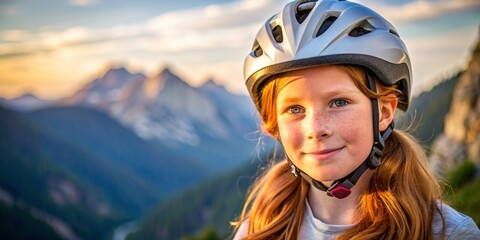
x,y
324,154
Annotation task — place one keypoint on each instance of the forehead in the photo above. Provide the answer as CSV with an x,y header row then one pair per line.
x,y
321,79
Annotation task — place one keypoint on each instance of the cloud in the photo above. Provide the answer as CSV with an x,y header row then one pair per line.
x,y
214,26
217,15
219,26
420,9
14,35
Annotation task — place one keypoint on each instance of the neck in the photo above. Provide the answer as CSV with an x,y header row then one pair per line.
x,y
336,211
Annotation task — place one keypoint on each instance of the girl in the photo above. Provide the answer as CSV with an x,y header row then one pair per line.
x,y
327,77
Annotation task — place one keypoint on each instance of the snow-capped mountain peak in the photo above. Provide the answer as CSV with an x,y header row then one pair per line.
x,y
174,110
107,90
113,79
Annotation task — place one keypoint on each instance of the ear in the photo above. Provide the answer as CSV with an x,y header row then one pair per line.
x,y
387,107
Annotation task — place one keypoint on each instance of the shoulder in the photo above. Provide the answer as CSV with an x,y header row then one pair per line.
x,y
457,224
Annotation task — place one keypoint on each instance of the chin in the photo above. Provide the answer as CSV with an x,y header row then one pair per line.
x,y
325,178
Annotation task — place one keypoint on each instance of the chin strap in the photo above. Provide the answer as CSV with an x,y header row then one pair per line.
x,y
341,188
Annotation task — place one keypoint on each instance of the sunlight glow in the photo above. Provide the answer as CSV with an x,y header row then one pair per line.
x,y
210,40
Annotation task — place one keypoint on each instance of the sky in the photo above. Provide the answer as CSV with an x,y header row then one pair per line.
x,y
51,48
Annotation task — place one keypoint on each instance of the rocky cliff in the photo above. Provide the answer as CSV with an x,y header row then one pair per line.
x,y
461,137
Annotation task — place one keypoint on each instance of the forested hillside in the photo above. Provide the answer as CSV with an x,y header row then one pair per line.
x,y
40,198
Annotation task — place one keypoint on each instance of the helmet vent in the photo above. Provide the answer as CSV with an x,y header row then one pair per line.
x,y
358,31
394,32
257,51
303,9
326,25
362,29
277,34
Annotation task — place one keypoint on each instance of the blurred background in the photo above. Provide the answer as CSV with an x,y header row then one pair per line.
x,y
130,119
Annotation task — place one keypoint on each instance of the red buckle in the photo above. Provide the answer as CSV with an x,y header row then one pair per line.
x,y
339,191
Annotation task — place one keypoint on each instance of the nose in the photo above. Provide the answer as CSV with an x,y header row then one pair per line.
x,y
317,126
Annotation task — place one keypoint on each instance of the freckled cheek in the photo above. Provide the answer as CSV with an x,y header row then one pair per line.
x,y
290,135
357,129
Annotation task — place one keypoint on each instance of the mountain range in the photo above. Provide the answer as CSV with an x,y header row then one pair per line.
x,y
207,123
114,149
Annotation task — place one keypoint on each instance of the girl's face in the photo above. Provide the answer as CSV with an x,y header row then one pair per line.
x,y
324,122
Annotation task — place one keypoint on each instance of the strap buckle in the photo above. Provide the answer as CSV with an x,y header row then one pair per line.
x,y
340,189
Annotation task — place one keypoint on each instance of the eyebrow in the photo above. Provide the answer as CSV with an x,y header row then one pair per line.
x,y
344,91
289,99
297,98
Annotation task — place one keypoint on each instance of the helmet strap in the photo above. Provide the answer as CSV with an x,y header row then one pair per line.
x,y
340,188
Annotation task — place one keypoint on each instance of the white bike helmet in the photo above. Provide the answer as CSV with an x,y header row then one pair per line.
x,y
309,33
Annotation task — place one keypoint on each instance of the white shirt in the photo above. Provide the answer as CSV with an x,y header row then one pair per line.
x,y
458,226
315,229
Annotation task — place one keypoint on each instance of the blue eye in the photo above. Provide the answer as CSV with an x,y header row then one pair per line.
x,y
295,110
337,103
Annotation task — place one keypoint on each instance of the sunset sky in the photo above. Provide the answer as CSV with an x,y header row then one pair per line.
x,y
53,47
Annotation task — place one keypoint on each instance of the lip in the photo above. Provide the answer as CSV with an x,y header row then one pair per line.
x,y
324,154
